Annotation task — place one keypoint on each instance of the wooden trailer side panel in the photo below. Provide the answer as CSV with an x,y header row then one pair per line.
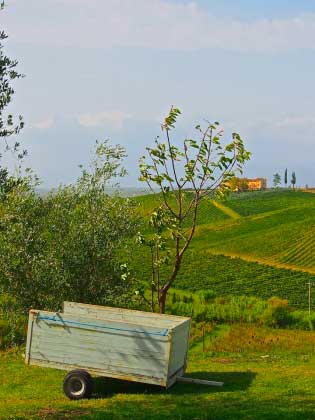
x,y
105,348
179,348
120,314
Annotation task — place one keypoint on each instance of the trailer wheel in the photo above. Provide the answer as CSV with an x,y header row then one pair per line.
x,y
78,384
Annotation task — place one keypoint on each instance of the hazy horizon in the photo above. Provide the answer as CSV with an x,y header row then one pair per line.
x,y
112,70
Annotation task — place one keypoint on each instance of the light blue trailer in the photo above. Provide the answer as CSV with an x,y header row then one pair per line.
x,y
111,342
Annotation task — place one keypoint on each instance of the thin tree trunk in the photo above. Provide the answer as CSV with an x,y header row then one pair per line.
x,y
162,302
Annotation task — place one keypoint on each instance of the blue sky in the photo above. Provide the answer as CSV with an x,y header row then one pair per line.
x,y
97,70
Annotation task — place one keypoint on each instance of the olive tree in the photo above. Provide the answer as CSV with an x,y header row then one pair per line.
x,y
276,180
184,176
8,74
70,244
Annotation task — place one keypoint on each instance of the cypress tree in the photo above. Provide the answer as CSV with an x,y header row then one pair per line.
x,y
293,179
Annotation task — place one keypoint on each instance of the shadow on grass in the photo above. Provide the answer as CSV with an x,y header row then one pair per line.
x,y
233,381
203,408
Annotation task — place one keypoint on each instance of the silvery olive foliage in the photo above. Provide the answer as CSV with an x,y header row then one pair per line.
x,y
70,244
8,74
184,176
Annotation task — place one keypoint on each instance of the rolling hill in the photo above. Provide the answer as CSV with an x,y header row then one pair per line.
x,y
257,243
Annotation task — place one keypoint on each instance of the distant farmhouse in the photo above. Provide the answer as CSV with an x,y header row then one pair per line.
x,y
256,184
248,184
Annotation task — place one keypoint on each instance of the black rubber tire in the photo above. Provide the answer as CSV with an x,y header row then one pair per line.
x,y
78,384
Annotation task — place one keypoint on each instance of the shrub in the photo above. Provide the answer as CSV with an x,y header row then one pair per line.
x,y
278,313
12,323
71,244
206,296
303,320
227,309
181,309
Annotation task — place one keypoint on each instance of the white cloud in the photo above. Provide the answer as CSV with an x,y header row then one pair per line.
x,y
43,124
298,121
155,24
113,118
292,133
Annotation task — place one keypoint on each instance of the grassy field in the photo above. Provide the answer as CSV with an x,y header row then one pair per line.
x,y
258,243
209,212
225,276
254,244
275,227
272,237
267,374
251,203
236,276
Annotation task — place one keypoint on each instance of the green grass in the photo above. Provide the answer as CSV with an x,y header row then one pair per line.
x,y
268,374
276,226
273,243
301,251
234,276
257,202
208,212
264,236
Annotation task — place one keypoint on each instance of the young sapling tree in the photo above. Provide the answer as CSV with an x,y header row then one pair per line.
x,y
184,176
